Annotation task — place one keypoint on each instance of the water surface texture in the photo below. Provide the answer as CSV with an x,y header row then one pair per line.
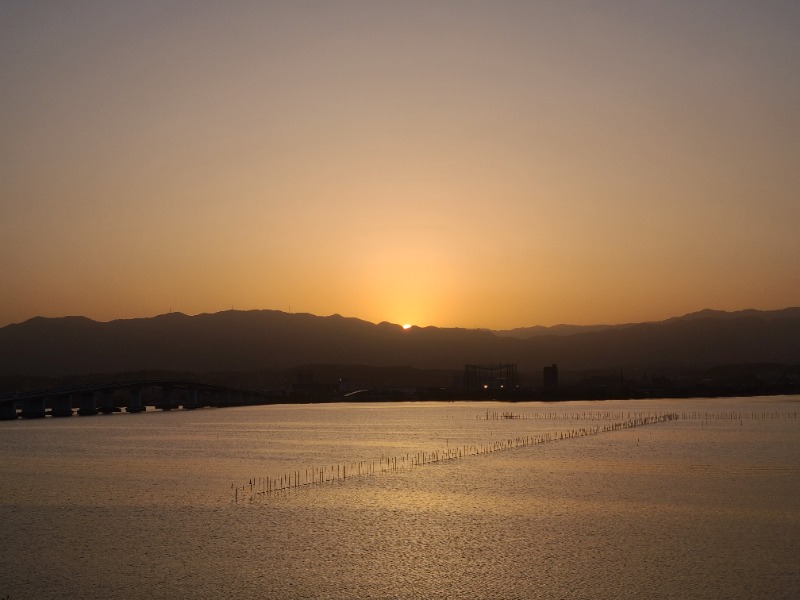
x,y
183,504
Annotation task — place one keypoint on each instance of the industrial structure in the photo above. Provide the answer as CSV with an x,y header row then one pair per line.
x,y
491,377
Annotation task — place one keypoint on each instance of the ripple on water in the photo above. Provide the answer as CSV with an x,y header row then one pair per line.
x,y
684,509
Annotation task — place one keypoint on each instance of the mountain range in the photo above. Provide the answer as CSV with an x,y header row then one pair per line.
x,y
267,339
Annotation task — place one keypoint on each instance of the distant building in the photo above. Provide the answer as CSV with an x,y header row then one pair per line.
x,y
550,377
491,377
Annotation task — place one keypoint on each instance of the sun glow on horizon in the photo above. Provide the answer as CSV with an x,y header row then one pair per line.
x,y
400,174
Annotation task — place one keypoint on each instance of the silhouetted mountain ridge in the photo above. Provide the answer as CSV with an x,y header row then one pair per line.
x,y
269,339
563,329
524,333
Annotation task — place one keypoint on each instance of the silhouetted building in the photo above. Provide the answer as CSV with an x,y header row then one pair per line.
x,y
491,377
550,377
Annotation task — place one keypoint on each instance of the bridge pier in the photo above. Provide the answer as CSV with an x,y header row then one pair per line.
x,y
167,398
33,408
108,398
87,404
107,406
191,400
62,406
135,401
8,411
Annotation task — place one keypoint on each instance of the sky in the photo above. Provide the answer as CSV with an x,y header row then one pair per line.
x,y
452,163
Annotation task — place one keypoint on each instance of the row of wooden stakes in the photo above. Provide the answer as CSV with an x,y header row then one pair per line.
x,y
293,480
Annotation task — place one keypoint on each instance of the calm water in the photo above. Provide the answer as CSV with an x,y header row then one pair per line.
x,y
142,505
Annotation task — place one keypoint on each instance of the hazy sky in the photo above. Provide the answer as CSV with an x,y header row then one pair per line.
x,y
474,164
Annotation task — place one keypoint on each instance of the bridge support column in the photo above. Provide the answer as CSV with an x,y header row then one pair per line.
x,y
88,406
62,406
191,399
8,411
135,401
33,408
167,398
107,406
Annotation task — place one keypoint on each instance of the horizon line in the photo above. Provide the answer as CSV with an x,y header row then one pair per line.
x,y
401,325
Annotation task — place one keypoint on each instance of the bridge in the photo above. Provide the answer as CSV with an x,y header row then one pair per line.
x,y
132,396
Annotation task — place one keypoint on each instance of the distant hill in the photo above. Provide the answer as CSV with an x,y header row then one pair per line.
x,y
541,330
766,315
267,339
524,333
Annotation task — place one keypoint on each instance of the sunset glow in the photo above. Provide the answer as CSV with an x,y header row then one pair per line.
x,y
455,164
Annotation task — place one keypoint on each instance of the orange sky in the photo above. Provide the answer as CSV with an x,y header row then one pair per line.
x,y
472,164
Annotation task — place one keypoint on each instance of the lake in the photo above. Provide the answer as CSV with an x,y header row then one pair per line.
x,y
183,504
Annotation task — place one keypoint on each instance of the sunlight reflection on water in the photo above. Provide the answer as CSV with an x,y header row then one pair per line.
x,y
131,505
